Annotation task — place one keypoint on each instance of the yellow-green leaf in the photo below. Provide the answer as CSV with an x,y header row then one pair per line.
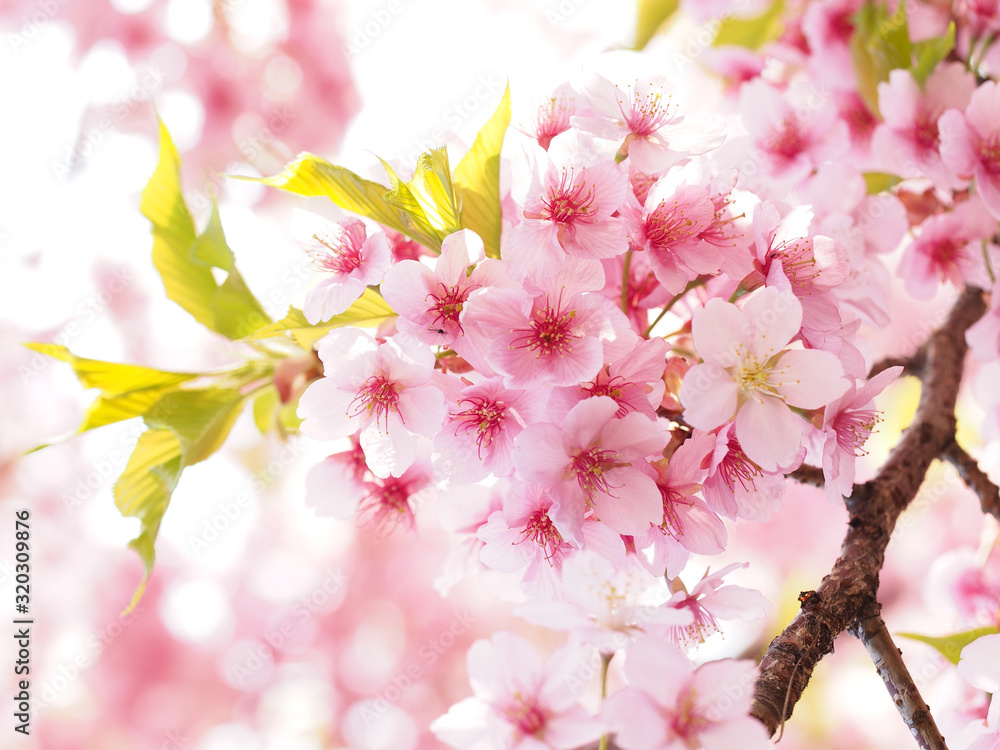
x,y
185,259
477,179
429,197
265,405
368,311
188,283
951,646
143,491
311,176
880,43
753,33
111,377
200,418
880,182
929,52
651,16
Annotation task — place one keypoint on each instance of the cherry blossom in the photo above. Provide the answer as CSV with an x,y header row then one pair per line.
x,y
709,601
381,390
352,259
594,460
754,378
520,703
670,705
970,143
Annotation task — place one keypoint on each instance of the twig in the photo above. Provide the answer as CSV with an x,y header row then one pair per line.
x,y
807,474
975,478
871,630
852,583
912,365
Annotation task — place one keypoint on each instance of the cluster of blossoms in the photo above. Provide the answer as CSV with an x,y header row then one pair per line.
x,y
671,329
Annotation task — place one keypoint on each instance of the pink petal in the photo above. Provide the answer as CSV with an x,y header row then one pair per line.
x,y
775,318
330,297
325,409
540,454
980,663
809,378
709,396
637,502
658,668
957,149
720,332
768,431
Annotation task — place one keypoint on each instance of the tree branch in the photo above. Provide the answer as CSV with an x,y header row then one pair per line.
x,y
852,583
975,478
807,474
871,630
912,365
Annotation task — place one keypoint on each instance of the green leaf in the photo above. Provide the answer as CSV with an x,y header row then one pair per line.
x,y
312,176
880,182
369,310
200,418
651,16
143,491
127,391
929,52
880,43
185,259
752,33
477,179
951,646
264,408
428,198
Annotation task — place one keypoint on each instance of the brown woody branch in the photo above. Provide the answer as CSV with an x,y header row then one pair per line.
x,y
844,595
871,630
975,478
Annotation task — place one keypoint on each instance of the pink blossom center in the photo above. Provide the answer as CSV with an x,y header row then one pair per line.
x,y
387,505
589,467
798,262
543,532
484,417
552,118
572,199
944,254
447,304
737,468
924,132
527,717
853,428
647,112
786,140
377,396
687,723
672,524
341,252
613,387
703,623
666,226
989,154
550,332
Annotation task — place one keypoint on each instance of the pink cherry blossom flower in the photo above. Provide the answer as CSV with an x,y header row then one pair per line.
x,y
392,501
670,705
346,252
635,382
949,249
520,703
810,266
669,228
688,524
569,197
709,601
796,129
547,118
748,374
642,114
556,332
479,431
382,390
523,535
735,486
595,460
429,302
336,484
464,510
908,140
980,666
848,421
970,143
606,606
